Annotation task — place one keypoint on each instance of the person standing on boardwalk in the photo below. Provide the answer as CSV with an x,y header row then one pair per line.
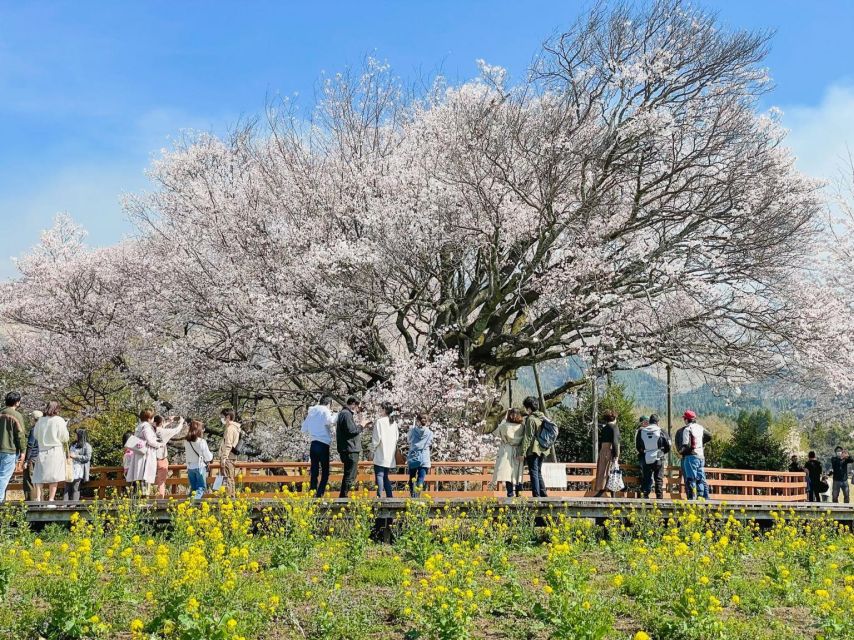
x,y
318,425
198,456
508,462
691,447
420,438
813,470
609,453
384,444
52,435
30,458
530,446
839,467
142,471
227,454
795,465
165,430
348,439
81,459
652,446
12,440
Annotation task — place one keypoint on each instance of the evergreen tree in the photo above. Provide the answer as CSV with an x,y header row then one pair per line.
x,y
752,445
575,439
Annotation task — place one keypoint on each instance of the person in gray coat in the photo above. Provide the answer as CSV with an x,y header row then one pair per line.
x,y
81,458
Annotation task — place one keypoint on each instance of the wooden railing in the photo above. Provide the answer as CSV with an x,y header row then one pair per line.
x,y
467,479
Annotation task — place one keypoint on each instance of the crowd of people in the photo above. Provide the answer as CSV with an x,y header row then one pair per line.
x,y
46,456
821,486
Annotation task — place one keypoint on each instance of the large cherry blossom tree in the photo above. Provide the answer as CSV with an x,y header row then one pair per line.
x,y
625,203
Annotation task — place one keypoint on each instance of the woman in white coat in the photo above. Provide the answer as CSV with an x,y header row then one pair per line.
x,y
51,433
143,467
508,466
384,442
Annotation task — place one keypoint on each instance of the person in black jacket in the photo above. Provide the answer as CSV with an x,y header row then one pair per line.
x,y
813,469
348,438
653,446
839,464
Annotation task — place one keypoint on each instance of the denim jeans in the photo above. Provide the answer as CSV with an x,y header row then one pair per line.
x,y
513,490
695,477
535,469
841,485
420,473
383,482
318,454
7,468
198,483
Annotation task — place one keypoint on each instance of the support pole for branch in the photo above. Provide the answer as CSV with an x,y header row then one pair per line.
x,y
595,417
510,393
669,412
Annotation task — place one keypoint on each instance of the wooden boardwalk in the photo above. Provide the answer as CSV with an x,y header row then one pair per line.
x,y
389,509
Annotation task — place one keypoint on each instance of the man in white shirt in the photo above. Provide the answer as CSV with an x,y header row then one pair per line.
x,y
691,446
318,425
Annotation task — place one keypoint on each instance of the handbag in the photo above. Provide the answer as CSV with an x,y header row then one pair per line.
x,y
137,445
399,458
615,479
69,467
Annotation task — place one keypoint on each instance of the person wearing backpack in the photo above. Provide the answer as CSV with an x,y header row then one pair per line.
x,y
532,448
653,446
691,447
12,440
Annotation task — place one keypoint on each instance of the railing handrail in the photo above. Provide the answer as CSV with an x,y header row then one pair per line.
x,y
475,478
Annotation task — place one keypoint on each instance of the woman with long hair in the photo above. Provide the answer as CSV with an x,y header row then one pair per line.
x,y
51,432
198,457
384,443
81,457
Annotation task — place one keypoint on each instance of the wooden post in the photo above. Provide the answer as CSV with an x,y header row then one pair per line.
x,y
595,419
669,413
510,393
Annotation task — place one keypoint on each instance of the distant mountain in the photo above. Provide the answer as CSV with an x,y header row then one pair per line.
x,y
650,392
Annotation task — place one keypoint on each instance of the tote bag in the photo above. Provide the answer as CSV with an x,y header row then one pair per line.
x,y
69,467
615,479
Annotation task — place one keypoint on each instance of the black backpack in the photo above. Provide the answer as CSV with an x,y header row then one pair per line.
x,y
240,448
547,435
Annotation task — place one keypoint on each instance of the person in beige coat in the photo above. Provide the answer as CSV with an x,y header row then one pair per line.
x,y
508,466
230,438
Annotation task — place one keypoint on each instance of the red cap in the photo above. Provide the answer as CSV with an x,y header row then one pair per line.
x,y
689,415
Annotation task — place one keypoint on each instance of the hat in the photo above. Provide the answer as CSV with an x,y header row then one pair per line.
x,y
643,419
37,414
689,415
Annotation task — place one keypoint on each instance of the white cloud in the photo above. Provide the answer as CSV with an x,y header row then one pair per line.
x,y
820,135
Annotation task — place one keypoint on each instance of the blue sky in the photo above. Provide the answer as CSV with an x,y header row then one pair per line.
x,y
90,91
